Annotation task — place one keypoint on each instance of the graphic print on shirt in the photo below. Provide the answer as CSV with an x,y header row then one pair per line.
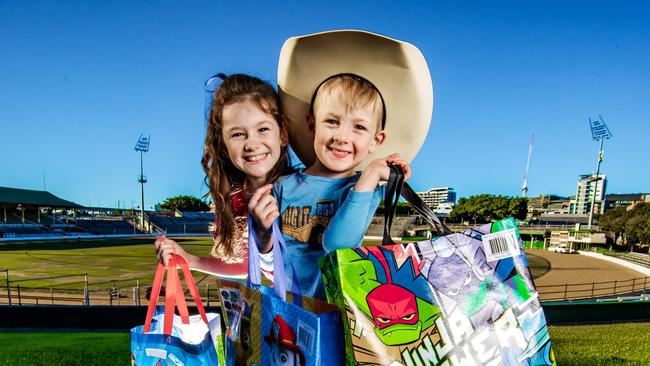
x,y
307,224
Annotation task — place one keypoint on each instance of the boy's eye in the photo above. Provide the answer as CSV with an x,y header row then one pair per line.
x,y
332,122
360,127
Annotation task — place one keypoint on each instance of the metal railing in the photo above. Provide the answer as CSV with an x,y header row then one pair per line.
x,y
593,290
60,291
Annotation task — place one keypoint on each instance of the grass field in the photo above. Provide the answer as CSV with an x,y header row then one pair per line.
x,y
103,260
612,344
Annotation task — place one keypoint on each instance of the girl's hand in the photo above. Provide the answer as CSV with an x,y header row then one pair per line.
x,y
165,247
263,208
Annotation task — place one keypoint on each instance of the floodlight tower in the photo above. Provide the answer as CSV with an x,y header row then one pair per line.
x,y
599,132
524,188
142,146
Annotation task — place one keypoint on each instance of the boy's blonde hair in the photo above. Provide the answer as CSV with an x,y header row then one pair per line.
x,y
353,91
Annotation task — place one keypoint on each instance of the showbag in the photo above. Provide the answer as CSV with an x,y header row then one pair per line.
x,y
272,326
170,339
458,299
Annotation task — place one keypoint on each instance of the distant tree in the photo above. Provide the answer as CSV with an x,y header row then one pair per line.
x,y
637,226
632,225
184,203
486,207
613,221
403,208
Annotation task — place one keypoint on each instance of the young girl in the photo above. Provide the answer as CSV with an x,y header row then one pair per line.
x,y
245,147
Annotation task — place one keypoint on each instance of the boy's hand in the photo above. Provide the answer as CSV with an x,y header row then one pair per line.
x,y
378,171
166,247
264,210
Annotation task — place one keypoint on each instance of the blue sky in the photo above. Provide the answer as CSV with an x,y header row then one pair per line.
x,y
80,80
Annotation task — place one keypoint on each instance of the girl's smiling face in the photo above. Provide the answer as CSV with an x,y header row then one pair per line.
x,y
253,140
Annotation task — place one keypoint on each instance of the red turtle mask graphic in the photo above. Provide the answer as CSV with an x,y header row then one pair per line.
x,y
391,304
394,309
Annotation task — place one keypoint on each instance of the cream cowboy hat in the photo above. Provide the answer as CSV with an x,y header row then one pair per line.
x,y
397,69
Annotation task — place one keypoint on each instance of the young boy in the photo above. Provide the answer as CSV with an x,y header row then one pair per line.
x,y
329,206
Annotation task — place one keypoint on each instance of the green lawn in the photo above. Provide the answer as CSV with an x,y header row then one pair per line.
x,y
606,344
64,348
611,344
103,260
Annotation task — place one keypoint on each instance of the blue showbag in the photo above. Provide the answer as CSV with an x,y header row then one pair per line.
x,y
170,339
293,329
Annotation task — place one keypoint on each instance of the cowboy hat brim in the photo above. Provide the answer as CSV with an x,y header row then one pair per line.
x,y
397,69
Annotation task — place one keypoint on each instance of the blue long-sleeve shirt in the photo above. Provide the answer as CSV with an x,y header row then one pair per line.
x,y
318,215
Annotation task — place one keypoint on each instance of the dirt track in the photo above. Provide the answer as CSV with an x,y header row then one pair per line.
x,y
580,269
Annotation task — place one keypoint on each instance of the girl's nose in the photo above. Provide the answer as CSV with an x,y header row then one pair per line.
x,y
251,143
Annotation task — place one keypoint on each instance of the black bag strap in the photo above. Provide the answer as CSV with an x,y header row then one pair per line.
x,y
416,202
397,184
391,198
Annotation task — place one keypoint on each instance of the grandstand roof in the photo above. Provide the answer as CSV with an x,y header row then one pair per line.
x,y
15,196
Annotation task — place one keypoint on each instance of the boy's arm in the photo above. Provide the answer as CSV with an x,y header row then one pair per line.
x,y
349,224
352,219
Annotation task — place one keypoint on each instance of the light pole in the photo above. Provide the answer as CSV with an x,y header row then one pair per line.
x,y
142,146
599,132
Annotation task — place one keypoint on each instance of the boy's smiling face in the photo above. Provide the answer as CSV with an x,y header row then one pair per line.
x,y
342,137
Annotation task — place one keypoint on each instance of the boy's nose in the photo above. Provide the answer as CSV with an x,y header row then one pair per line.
x,y
342,134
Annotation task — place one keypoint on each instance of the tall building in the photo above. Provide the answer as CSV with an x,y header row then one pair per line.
x,y
586,188
436,196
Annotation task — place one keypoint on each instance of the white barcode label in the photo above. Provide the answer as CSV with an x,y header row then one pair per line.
x,y
500,245
305,337
156,352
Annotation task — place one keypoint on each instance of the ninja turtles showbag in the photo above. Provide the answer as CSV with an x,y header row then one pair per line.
x,y
457,299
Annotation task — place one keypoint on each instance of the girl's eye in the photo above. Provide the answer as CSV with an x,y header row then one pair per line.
x,y
237,135
264,129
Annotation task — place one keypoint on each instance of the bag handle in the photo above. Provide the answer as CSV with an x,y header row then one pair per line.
x,y
395,187
395,180
416,202
174,296
279,279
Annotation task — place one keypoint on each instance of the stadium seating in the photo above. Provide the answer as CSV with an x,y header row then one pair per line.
x,y
400,225
181,225
637,258
106,227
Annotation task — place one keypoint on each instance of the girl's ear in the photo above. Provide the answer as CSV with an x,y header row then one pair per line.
x,y
284,137
311,126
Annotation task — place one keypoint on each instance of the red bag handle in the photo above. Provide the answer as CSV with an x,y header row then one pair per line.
x,y
174,296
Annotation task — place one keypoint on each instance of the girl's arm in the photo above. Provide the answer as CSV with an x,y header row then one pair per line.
x,y
211,265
